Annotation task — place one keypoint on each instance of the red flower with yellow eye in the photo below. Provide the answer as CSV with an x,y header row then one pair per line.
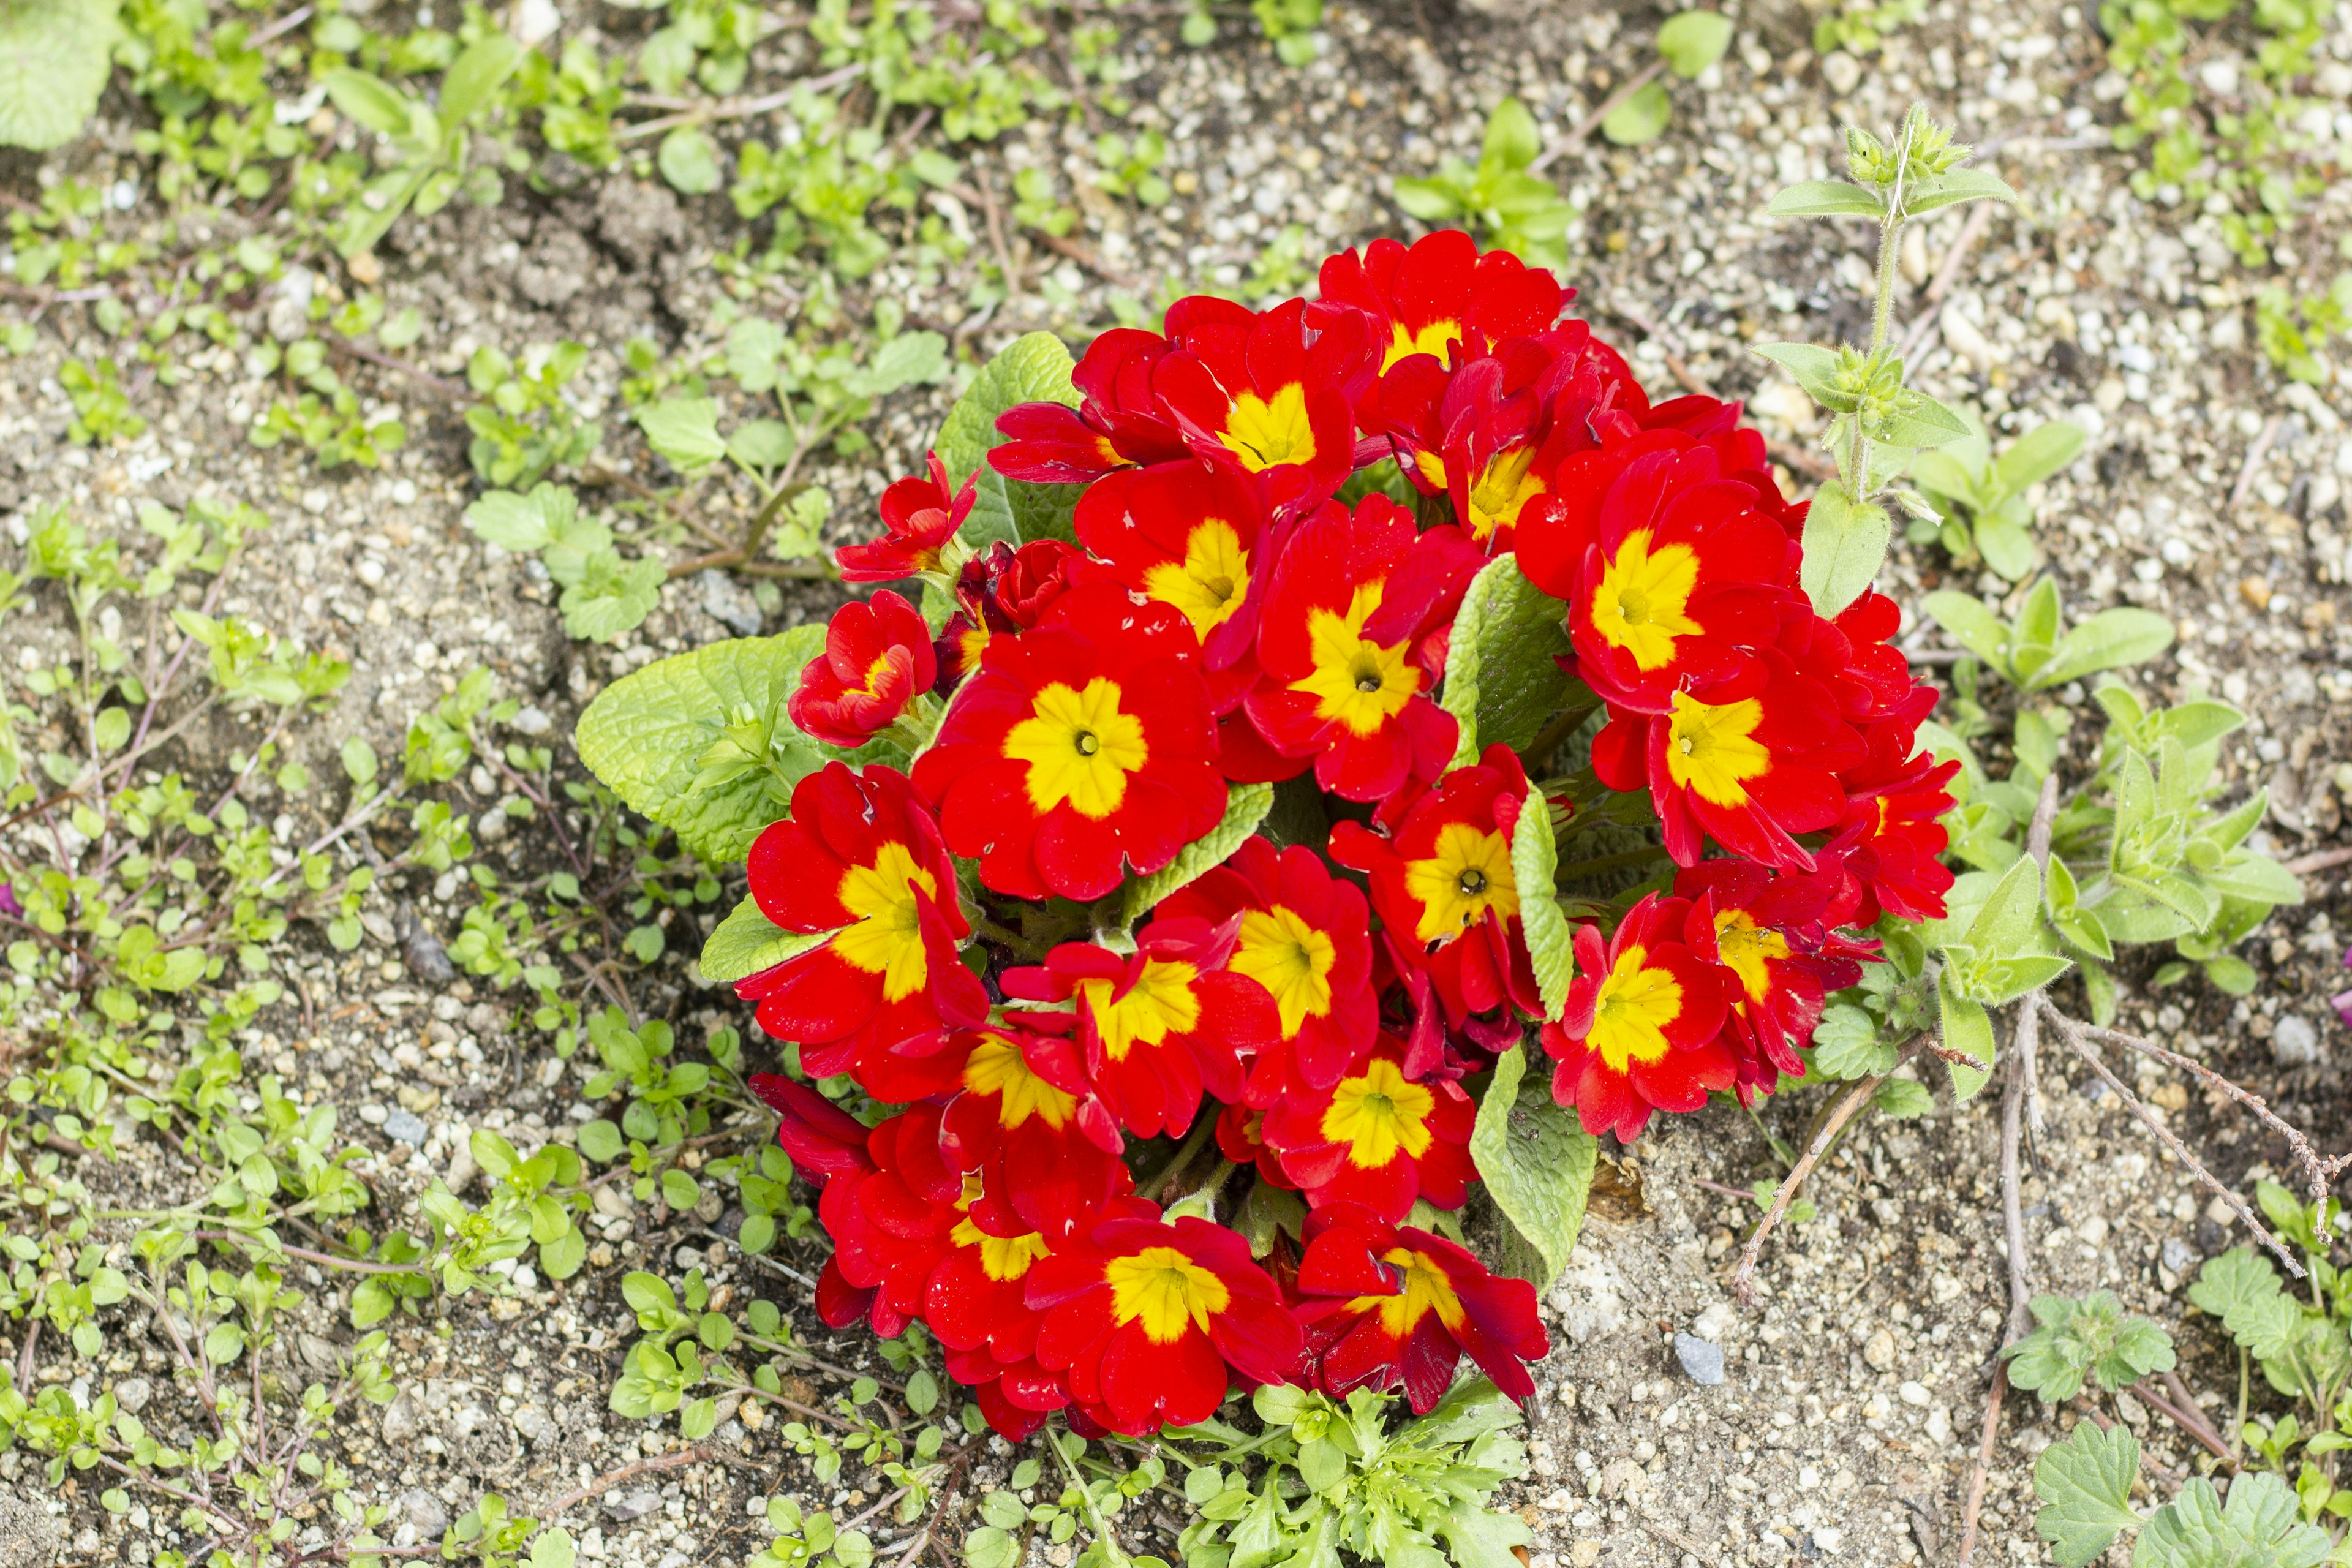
x,y
1893,840
1440,291
1444,889
1000,591
1641,1028
1751,762
1683,575
861,857
1306,937
1347,676
918,516
1159,1024
1389,1305
1770,936
1264,395
1023,1115
1079,749
1241,1138
1377,1137
877,659
1117,423
1190,536
1492,429
1149,1318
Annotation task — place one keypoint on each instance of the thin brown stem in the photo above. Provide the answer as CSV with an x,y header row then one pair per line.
x,y
604,1483
1743,1283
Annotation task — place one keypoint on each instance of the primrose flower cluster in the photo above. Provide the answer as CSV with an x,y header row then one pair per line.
x,y
1277,516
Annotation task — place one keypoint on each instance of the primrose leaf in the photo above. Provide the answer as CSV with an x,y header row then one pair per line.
x,y
747,941
1844,544
1246,807
2085,1485
1503,677
1551,945
1032,368
1535,1161
653,734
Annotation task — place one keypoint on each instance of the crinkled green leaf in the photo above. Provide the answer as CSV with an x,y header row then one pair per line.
x,y
1502,678
1535,1161
648,734
2259,1527
2079,1340
1246,807
55,56
1551,945
747,941
612,597
2085,1485
684,431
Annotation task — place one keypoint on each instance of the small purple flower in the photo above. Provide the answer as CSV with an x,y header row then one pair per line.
x,y
2342,1003
8,904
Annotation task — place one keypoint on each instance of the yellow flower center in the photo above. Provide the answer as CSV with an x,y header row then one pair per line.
x,y
1291,959
1001,1256
1641,603
1166,1291
1712,749
997,1066
1264,434
1208,585
1160,1004
1630,1016
1378,1114
886,937
1080,746
1432,338
1501,492
1360,684
1467,874
1426,1290
1745,948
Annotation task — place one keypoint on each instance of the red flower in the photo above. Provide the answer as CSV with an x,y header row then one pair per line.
x,y
1117,422
1893,840
1750,761
1682,575
1439,293
1190,536
1146,1318
877,659
1305,936
1077,746
861,857
1347,678
1264,395
1377,1137
1393,1305
1640,1032
999,591
1023,1115
1770,936
1241,1138
920,517
1160,1025
1445,888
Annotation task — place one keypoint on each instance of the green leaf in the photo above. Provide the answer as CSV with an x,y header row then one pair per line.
x,y
1847,1045
371,101
1844,545
2259,1527
1968,1027
762,443
1246,807
1032,368
554,1547
688,160
1825,198
1915,419
1900,1100
1018,512
1640,118
1502,677
600,1141
1978,628
1813,366
612,598
649,734
55,58
562,1258
1959,185
1535,1161
2038,453
684,431
1690,41
2085,1485
2108,640
2005,543
1551,945
2079,1340
524,523
2242,1290
747,941
1479,1537
1512,141
475,74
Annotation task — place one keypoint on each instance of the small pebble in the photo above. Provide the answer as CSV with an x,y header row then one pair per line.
x,y
2294,1043
2177,1255
404,1125
426,1511
132,1393
1701,1359
625,1507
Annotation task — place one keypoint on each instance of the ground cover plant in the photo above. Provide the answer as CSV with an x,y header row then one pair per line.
x,y
1487,762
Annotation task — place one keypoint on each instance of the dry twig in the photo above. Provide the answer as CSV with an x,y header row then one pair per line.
x,y
1743,1281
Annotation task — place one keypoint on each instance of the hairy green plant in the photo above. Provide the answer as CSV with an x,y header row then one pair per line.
x,y
432,140
1688,43
1986,501
1499,199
